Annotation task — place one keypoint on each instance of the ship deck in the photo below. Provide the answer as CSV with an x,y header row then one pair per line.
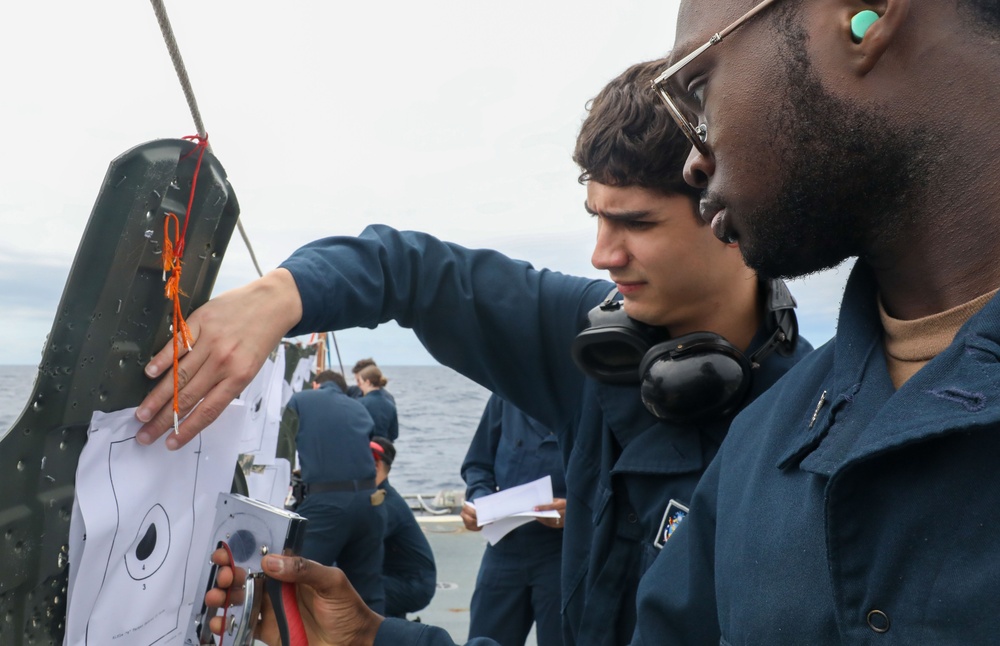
x,y
457,553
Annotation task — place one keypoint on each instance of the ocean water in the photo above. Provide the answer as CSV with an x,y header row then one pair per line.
x,y
438,409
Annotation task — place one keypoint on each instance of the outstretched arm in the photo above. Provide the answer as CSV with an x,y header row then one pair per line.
x,y
491,318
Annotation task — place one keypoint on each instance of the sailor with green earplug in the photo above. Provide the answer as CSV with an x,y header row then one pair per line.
x,y
855,502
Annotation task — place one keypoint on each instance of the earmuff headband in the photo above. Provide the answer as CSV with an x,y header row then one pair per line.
x,y
688,378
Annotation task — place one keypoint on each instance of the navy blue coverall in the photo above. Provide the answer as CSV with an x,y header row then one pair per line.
x,y
409,573
355,392
344,526
382,408
518,582
509,327
843,511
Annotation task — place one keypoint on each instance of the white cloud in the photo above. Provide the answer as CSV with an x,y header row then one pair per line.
x,y
452,117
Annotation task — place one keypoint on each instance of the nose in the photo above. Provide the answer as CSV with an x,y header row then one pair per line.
x,y
609,250
699,168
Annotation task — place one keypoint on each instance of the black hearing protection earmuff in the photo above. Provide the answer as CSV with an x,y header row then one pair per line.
x,y
692,378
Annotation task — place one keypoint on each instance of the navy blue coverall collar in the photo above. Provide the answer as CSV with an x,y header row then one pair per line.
x,y
850,423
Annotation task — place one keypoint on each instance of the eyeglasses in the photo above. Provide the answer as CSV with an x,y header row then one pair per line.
x,y
697,134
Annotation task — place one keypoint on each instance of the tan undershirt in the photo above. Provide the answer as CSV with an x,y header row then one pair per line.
x,y
909,345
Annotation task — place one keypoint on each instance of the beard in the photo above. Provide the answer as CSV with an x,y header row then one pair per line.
x,y
849,177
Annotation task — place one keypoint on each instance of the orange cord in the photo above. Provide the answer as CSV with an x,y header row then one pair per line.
x,y
173,251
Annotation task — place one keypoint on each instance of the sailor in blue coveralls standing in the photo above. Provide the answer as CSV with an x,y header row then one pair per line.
x,y
639,377
354,390
409,573
346,521
381,406
518,582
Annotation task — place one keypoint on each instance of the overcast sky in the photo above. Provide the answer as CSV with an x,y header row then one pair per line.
x,y
457,118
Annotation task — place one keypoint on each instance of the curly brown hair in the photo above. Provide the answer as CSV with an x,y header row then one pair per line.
x,y
629,138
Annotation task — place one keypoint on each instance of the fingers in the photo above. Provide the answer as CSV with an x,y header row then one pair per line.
x,y
228,587
557,504
330,608
210,377
327,581
234,333
217,623
156,410
225,575
163,361
215,598
220,557
469,518
224,579
205,412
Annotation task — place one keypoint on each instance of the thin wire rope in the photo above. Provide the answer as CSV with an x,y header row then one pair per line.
x,y
337,348
175,57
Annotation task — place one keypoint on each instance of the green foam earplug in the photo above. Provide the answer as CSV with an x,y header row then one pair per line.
x,y
861,22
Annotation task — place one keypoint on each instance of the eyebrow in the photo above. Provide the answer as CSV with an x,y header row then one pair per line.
x,y
674,82
686,47
622,216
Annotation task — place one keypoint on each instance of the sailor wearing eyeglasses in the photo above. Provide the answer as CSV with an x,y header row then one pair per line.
x,y
837,130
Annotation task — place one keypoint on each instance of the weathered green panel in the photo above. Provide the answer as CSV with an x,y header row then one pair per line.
x,y
112,317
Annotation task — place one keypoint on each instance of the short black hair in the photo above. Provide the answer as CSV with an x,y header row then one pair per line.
x,y
388,450
331,375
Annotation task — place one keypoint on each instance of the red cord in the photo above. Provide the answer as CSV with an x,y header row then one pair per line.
x,y
201,144
232,566
296,629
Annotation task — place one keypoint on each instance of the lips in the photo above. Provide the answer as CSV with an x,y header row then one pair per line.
x,y
714,214
626,289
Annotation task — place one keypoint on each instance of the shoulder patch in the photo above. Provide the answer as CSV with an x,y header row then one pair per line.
x,y
672,517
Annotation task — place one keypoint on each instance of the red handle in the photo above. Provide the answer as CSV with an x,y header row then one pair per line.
x,y
296,629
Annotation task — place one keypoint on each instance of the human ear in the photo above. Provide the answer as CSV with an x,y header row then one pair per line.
x,y
872,35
